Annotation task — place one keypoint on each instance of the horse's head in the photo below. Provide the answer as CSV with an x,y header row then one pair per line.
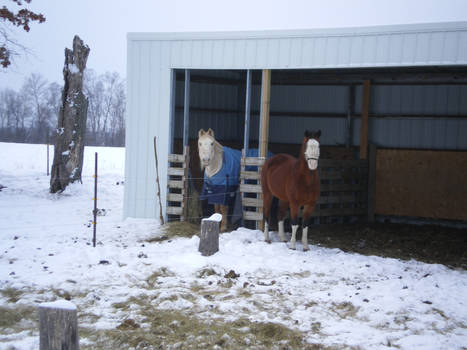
x,y
206,147
312,148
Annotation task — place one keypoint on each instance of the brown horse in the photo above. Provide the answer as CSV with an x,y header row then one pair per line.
x,y
295,183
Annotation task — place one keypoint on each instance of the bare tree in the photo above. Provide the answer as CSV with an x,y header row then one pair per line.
x,y
106,95
22,18
35,90
69,142
15,116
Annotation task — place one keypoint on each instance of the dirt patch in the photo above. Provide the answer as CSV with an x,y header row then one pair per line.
x,y
426,243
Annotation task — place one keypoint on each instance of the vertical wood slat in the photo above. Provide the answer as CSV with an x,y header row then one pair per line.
x,y
364,121
372,183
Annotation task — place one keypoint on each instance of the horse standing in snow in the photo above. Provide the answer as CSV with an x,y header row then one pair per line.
x,y
294,182
221,166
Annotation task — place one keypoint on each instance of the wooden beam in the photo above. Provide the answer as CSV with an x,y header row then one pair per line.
x,y
264,126
265,106
364,120
372,183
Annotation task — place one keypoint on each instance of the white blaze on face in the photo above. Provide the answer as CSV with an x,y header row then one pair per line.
x,y
312,153
205,150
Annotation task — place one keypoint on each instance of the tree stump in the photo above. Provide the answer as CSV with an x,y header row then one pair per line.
x,y
58,322
69,141
209,238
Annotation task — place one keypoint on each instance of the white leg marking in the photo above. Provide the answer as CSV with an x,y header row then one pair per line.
x,y
281,231
293,239
305,239
266,232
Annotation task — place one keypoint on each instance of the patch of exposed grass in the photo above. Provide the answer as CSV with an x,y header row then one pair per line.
x,y
206,272
183,330
176,229
12,294
162,272
18,317
345,309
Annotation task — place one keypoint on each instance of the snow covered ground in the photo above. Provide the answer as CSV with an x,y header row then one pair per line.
x,y
331,298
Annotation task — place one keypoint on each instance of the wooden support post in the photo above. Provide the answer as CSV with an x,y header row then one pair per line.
x,y
364,120
209,238
265,104
264,123
186,109
58,322
186,167
246,137
372,183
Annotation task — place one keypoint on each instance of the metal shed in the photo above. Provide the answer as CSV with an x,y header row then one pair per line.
x,y
418,76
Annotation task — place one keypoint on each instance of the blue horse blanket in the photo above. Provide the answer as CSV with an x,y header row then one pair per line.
x,y
221,188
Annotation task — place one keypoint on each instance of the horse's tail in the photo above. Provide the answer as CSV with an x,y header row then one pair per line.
x,y
273,211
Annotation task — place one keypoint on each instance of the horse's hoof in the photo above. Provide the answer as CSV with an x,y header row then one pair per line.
x,y
306,249
284,241
292,248
268,241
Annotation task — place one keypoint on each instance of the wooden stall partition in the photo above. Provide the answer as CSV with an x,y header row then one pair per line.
x,y
177,184
250,189
344,189
421,183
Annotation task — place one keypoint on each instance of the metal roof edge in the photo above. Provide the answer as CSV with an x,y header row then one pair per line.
x,y
290,33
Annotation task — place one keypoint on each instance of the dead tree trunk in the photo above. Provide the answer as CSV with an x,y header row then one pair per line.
x,y
69,142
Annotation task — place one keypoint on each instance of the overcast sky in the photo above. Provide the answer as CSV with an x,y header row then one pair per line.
x,y
103,24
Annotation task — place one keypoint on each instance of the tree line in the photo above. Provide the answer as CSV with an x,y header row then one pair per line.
x,y
29,115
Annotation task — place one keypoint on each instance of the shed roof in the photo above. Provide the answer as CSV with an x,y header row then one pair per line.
x,y
377,46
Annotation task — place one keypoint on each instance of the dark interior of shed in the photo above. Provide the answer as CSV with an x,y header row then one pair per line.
x,y
210,112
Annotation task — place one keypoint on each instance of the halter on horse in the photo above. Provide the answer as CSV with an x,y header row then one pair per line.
x,y
295,183
221,173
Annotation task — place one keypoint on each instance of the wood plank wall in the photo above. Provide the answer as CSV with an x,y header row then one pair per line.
x,y
421,183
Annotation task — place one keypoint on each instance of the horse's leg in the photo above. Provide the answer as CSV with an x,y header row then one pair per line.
x,y
306,223
283,206
267,200
224,211
294,220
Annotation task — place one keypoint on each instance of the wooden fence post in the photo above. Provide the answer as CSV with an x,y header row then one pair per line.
x,y
371,183
209,238
58,322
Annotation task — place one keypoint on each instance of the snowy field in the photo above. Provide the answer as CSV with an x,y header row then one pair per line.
x,y
127,288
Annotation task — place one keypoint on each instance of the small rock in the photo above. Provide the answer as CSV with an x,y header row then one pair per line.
x,y
104,262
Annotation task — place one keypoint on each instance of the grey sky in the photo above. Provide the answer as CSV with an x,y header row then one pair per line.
x,y
103,24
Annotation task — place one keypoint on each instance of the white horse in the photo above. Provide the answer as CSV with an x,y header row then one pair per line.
x,y
221,173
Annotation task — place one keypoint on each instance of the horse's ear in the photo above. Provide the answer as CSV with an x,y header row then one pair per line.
x,y
201,132
318,134
210,132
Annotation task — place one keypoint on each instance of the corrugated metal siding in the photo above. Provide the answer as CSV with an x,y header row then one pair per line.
x,y
151,57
